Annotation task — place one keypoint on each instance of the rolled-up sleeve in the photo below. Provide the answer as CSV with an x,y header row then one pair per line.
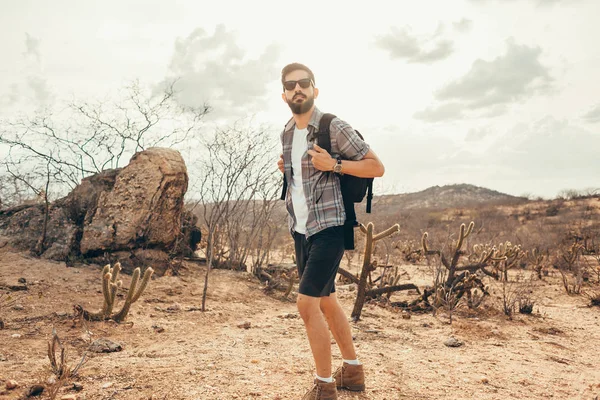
x,y
349,144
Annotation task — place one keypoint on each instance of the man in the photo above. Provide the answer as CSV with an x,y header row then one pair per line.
x,y
316,218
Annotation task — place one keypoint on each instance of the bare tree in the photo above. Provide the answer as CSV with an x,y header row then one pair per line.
x,y
237,168
86,138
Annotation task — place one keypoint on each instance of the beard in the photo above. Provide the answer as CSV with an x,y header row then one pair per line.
x,y
301,108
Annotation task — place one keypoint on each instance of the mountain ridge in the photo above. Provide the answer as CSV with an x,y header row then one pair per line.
x,y
448,196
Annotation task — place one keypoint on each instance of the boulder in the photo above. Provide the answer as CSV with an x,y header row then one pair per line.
x,y
144,207
135,213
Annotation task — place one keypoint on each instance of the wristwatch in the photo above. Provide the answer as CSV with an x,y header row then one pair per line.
x,y
337,168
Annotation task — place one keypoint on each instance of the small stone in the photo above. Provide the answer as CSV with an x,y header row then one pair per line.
x,y
453,342
405,315
245,325
78,387
105,346
107,385
22,280
18,307
174,307
69,397
35,390
15,335
485,380
3,357
11,384
158,329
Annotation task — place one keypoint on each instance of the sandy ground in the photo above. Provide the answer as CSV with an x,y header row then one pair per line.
x,y
184,353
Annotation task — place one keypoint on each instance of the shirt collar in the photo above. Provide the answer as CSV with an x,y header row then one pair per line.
x,y
315,118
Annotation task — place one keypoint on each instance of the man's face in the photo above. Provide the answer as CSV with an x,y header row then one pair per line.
x,y
299,99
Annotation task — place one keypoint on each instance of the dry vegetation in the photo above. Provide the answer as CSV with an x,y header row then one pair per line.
x,y
517,292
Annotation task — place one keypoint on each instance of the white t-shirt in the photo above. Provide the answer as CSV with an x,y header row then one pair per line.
x,y
299,147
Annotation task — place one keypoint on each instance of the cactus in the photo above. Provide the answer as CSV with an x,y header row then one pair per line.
x,y
370,239
109,292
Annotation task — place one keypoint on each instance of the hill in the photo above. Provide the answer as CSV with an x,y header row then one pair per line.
x,y
448,196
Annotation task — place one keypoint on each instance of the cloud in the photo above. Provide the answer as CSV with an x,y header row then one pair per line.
x,y
213,69
463,26
442,113
41,90
32,47
537,2
401,44
593,115
492,85
477,134
32,90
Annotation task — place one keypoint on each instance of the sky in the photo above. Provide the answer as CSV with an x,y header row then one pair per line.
x,y
502,94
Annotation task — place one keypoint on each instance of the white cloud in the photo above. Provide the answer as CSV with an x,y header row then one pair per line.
x,y
32,47
213,69
491,85
442,113
463,26
402,44
593,115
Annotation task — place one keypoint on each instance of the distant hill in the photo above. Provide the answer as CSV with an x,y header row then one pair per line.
x,y
448,196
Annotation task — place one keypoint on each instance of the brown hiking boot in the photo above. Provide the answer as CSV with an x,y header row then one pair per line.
x,y
321,391
351,377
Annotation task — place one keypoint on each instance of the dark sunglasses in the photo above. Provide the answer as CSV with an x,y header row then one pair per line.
x,y
304,84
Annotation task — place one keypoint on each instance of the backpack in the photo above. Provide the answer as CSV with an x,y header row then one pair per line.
x,y
353,187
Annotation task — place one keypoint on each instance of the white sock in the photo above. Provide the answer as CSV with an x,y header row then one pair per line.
x,y
352,362
328,380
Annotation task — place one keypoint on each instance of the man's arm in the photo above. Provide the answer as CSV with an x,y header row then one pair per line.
x,y
369,167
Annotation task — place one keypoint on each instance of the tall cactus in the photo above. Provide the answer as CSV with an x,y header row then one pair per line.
x,y
109,292
370,239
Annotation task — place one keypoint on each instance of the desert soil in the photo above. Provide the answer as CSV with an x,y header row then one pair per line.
x,y
251,345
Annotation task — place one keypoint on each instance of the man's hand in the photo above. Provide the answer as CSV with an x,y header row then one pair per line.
x,y
280,163
321,159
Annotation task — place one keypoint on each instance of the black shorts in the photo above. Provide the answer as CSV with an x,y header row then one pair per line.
x,y
318,260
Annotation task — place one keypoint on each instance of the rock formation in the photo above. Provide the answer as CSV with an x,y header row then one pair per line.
x,y
134,215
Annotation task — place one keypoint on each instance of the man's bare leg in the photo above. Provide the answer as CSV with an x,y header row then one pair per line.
x,y
339,325
317,332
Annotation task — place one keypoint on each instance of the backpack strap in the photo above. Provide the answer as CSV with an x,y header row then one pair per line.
x,y
323,138
285,184
369,195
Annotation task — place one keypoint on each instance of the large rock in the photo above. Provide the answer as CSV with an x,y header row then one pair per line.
x,y
144,207
134,214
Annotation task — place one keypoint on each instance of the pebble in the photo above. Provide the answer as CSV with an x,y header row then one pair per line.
x,y
15,335
18,307
69,397
107,385
11,384
245,325
453,342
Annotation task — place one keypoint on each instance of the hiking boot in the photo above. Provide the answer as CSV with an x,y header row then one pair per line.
x,y
321,391
351,377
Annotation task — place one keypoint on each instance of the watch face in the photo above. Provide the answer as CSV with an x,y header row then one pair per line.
x,y
338,168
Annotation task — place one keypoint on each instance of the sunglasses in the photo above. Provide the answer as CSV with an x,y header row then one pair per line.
x,y
304,84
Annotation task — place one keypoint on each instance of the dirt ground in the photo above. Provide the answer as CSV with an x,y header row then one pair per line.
x,y
250,345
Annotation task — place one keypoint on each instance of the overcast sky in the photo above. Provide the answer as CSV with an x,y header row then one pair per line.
x,y
503,94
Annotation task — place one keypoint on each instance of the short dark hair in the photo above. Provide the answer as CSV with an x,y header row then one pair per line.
x,y
294,67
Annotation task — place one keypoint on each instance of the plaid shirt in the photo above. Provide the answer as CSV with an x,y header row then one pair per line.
x,y
321,189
